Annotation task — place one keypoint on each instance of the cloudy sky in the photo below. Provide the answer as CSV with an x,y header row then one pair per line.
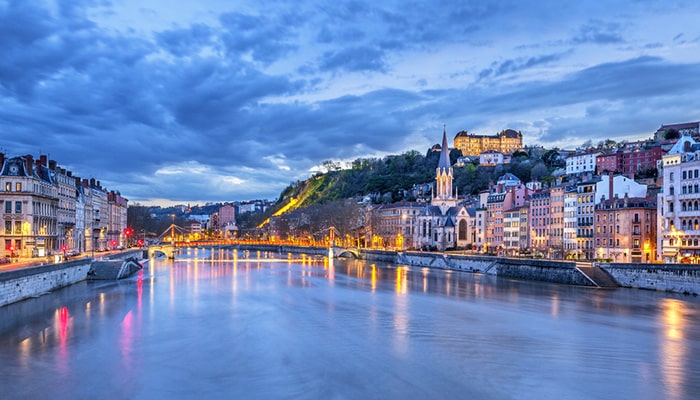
x,y
220,100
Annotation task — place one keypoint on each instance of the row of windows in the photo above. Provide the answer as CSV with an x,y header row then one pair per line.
x,y
18,186
8,207
684,242
691,174
616,243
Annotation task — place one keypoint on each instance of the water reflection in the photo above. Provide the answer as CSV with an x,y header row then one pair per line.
x,y
267,325
673,347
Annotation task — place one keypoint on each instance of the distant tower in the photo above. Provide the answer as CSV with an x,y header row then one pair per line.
x,y
444,197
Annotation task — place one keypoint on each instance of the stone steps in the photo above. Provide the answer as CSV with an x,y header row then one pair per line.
x,y
598,276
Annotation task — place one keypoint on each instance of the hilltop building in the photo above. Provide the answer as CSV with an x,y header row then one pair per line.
x,y
506,142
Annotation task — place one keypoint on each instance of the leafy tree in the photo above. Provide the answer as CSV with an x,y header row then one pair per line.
x,y
539,171
672,134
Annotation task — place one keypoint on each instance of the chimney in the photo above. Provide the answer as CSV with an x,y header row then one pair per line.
x,y
610,185
69,173
686,146
2,159
38,167
29,163
92,182
52,165
85,182
43,159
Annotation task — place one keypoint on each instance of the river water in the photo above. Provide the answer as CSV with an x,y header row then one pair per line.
x,y
236,325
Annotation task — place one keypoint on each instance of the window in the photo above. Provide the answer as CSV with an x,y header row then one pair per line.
x,y
670,207
636,243
18,187
684,175
18,207
18,227
8,186
670,177
670,191
8,227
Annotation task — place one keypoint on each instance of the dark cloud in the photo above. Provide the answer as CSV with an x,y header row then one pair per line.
x,y
267,39
187,41
354,59
514,65
599,32
238,104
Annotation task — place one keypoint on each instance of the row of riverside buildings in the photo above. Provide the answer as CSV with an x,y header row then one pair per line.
x,y
46,210
600,208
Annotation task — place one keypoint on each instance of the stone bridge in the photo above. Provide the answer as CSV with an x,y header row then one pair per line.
x,y
338,252
167,250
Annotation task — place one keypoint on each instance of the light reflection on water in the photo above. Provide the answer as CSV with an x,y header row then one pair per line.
x,y
238,324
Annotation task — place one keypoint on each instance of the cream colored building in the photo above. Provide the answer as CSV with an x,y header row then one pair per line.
x,y
507,142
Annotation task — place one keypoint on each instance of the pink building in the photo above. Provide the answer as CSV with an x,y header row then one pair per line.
x,y
227,215
508,193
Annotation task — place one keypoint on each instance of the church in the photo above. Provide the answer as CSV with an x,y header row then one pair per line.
x,y
444,224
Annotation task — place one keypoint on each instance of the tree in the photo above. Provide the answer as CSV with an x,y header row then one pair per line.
x,y
520,154
672,134
539,171
551,158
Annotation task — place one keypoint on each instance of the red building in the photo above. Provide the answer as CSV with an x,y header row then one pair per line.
x,y
605,163
640,160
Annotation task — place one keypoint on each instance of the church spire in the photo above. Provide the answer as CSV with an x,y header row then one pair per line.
x,y
444,163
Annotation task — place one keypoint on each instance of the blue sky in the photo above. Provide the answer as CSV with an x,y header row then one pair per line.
x,y
177,102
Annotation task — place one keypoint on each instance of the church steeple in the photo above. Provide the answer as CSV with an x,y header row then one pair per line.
x,y
444,163
444,196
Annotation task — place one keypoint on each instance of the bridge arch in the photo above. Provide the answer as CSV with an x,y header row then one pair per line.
x,y
347,253
166,250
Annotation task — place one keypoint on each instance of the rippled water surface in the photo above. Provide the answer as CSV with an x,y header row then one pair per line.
x,y
237,325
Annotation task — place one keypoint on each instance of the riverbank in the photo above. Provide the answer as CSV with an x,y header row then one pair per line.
x,y
34,280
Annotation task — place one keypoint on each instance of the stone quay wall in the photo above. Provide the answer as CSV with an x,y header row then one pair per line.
x,y
530,269
20,284
676,278
542,270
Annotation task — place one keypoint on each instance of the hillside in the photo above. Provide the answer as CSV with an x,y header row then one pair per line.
x,y
393,178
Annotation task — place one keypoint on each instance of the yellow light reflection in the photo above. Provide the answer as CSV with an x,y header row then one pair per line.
x,y
674,352
555,304
25,348
401,284
374,278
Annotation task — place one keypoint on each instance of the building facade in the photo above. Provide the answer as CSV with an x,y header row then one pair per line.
x,y
581,163
679,203
506,142
625,230
47,210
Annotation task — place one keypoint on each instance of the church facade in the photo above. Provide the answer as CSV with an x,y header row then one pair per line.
x,y
444,223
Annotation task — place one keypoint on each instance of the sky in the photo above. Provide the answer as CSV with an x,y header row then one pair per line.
x,y
176,102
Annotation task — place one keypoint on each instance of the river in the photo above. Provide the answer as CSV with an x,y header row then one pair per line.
x,y
227,324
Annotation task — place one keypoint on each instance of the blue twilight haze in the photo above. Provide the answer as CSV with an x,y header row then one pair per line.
x,y
233,100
